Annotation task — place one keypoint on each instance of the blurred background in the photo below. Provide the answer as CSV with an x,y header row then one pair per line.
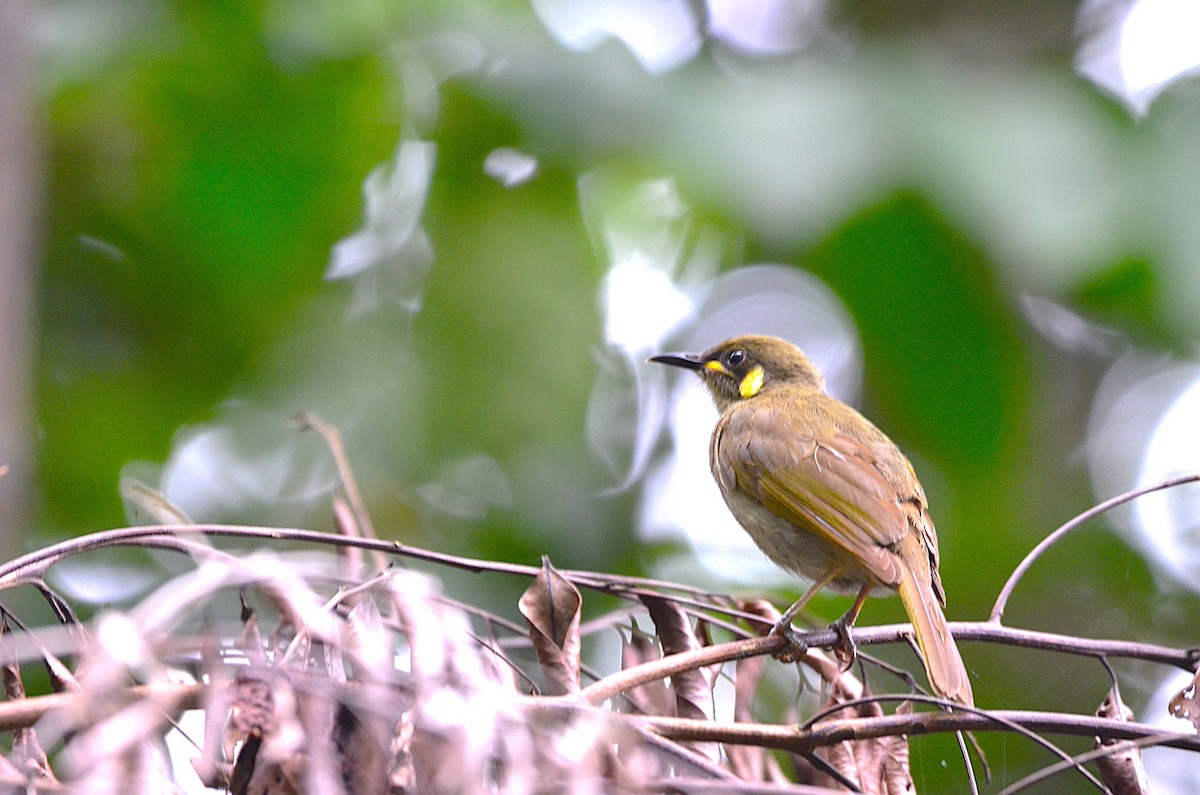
x,y
456,229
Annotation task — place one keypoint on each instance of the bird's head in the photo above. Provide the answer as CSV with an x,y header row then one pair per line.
x,y
744,367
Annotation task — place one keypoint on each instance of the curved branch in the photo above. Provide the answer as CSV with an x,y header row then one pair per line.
x,y
1053,538
32,565
29,567
1080,759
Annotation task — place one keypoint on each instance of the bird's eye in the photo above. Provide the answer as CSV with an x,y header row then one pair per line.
x,y
735,358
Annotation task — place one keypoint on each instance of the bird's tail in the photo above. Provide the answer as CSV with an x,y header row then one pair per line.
x,y
947,674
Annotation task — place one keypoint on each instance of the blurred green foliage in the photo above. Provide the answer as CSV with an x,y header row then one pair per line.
x,y
201,164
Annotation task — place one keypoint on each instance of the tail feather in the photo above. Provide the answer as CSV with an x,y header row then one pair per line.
x,y
943,664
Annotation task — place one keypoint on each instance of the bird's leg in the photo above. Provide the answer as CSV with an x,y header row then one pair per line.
x,y
783,627
844,647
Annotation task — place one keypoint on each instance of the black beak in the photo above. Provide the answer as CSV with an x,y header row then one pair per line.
x,y
688,361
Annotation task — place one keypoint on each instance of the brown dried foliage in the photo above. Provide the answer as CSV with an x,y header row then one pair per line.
x,y
324,680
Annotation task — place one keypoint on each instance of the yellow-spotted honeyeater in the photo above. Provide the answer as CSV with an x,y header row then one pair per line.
x,y
823,492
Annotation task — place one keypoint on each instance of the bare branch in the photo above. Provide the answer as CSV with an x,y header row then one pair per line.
x,y
797,740
891,633
1096,754
461,656
1185,659
23,713
1053,538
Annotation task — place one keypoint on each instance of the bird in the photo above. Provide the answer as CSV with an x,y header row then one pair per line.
x,y
824,493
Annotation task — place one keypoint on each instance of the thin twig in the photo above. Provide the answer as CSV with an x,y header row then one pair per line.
x,y
676,785
832,709
1050,540
961,739
795,739
1148,741
308,421
681,754
343,593
30,566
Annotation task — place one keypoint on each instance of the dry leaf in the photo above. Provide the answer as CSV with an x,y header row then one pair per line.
x,y
364,760
652,698
1186,703
250,643
878,766
244,765
748,762
402,777
693,690
1121,770
252,707
27,753
267,778
551,606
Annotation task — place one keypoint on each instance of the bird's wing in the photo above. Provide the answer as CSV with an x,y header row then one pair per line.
x,y
824,483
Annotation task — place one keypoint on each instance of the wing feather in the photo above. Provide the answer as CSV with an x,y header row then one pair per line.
x,y
829,486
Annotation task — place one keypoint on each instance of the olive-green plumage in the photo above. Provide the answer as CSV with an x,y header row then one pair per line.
x,y
822,491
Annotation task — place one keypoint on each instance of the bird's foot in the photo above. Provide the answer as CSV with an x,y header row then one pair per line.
x,y
843,648
796,648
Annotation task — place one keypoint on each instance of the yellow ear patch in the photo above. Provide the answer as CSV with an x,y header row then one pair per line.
x,y
751,383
